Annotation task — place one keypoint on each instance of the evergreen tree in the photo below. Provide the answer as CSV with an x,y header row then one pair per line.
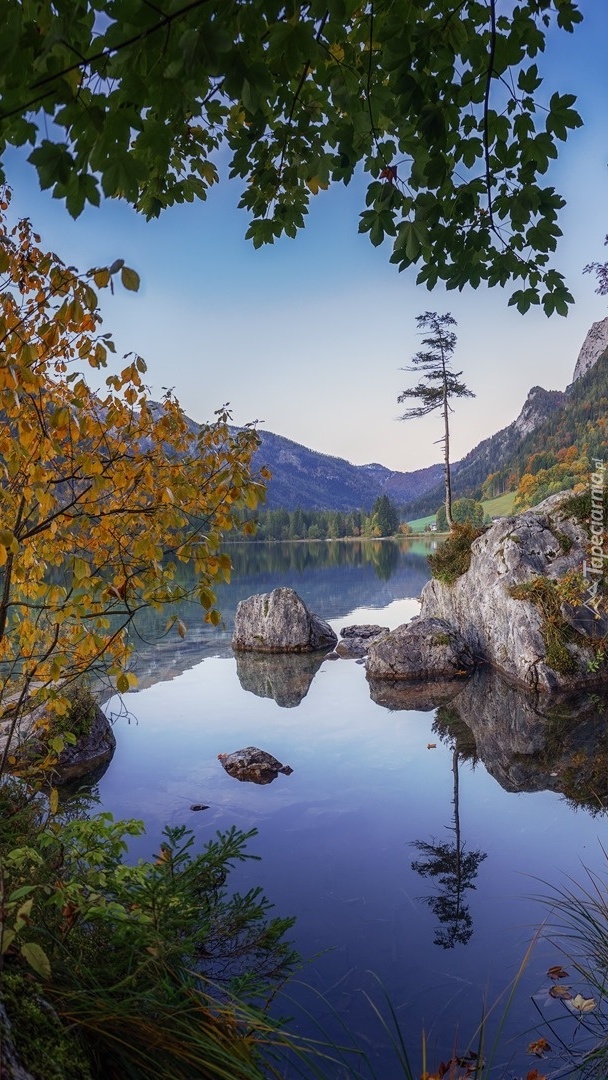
x,y
385,516
440,386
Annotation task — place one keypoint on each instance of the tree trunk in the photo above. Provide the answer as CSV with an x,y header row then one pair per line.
x,y
446,456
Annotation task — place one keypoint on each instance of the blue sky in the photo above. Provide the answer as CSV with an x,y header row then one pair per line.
x,y
309,335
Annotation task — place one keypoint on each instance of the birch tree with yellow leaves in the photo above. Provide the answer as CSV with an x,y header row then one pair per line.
x,y
103,493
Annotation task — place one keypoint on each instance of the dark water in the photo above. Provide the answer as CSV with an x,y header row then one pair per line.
x,y
410,840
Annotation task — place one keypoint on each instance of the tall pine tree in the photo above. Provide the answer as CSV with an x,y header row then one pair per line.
x,y
438,384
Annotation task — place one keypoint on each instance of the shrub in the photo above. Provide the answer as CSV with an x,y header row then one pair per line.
x,y
453,558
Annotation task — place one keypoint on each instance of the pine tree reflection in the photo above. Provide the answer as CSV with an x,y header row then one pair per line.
x,y
451,866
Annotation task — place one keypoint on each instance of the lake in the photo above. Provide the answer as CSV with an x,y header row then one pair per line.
x,y
411,841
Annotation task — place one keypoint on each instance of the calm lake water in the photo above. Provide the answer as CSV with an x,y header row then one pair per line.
x,y
410,840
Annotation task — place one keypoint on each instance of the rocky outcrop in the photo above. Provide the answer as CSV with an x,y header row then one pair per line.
x,y
425,648
594,345
356,640
515,633
279,621
91,751
286,679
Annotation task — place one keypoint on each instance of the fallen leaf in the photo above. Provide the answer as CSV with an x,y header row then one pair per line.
x,y
535,1075
557,972
540,1047
559,991
581,1004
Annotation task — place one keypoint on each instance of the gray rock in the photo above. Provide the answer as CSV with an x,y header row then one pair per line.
x,y
88,754
279,621
356,640
505,631
11,1066
422,649
254,765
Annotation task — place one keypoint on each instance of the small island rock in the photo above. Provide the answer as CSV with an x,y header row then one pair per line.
x,y
254,765
279,621
356,640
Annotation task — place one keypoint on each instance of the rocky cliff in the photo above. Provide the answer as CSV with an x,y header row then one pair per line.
x,y
594,345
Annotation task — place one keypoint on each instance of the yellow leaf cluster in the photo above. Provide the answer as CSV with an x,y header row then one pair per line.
x,y
101,493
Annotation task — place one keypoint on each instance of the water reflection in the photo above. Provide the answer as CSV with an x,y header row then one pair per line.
x,y
414,696
285,678
454,869
331,577
534,742
335,837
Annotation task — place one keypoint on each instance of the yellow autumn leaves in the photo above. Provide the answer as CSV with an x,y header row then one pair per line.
x,y
102,494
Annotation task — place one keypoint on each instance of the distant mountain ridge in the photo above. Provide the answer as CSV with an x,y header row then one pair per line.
x,y
303,478
312,481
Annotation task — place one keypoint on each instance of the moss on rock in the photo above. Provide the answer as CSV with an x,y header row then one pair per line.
x,y
47,1049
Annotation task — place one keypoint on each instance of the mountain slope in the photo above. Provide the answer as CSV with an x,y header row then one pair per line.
x,y
550,423
304,478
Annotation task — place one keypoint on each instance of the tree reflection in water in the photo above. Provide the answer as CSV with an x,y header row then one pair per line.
x,y
454,868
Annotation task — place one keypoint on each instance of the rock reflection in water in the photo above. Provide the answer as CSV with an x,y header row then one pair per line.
x,y
527,741
534,742
286,677
417,696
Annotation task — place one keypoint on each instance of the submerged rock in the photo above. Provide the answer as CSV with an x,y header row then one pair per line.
x,y
503,619
420,649
254,765
279,621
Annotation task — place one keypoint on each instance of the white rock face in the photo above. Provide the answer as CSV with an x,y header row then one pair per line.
x,y
498,628
594,345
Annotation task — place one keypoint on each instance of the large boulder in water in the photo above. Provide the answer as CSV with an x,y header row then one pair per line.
x,y
279,621
420,649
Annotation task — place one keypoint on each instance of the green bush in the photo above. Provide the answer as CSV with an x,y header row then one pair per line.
x,y
157,969
453,558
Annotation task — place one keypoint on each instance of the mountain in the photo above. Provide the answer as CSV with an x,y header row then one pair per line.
x,y
312,481
549,422
593,346
491,455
